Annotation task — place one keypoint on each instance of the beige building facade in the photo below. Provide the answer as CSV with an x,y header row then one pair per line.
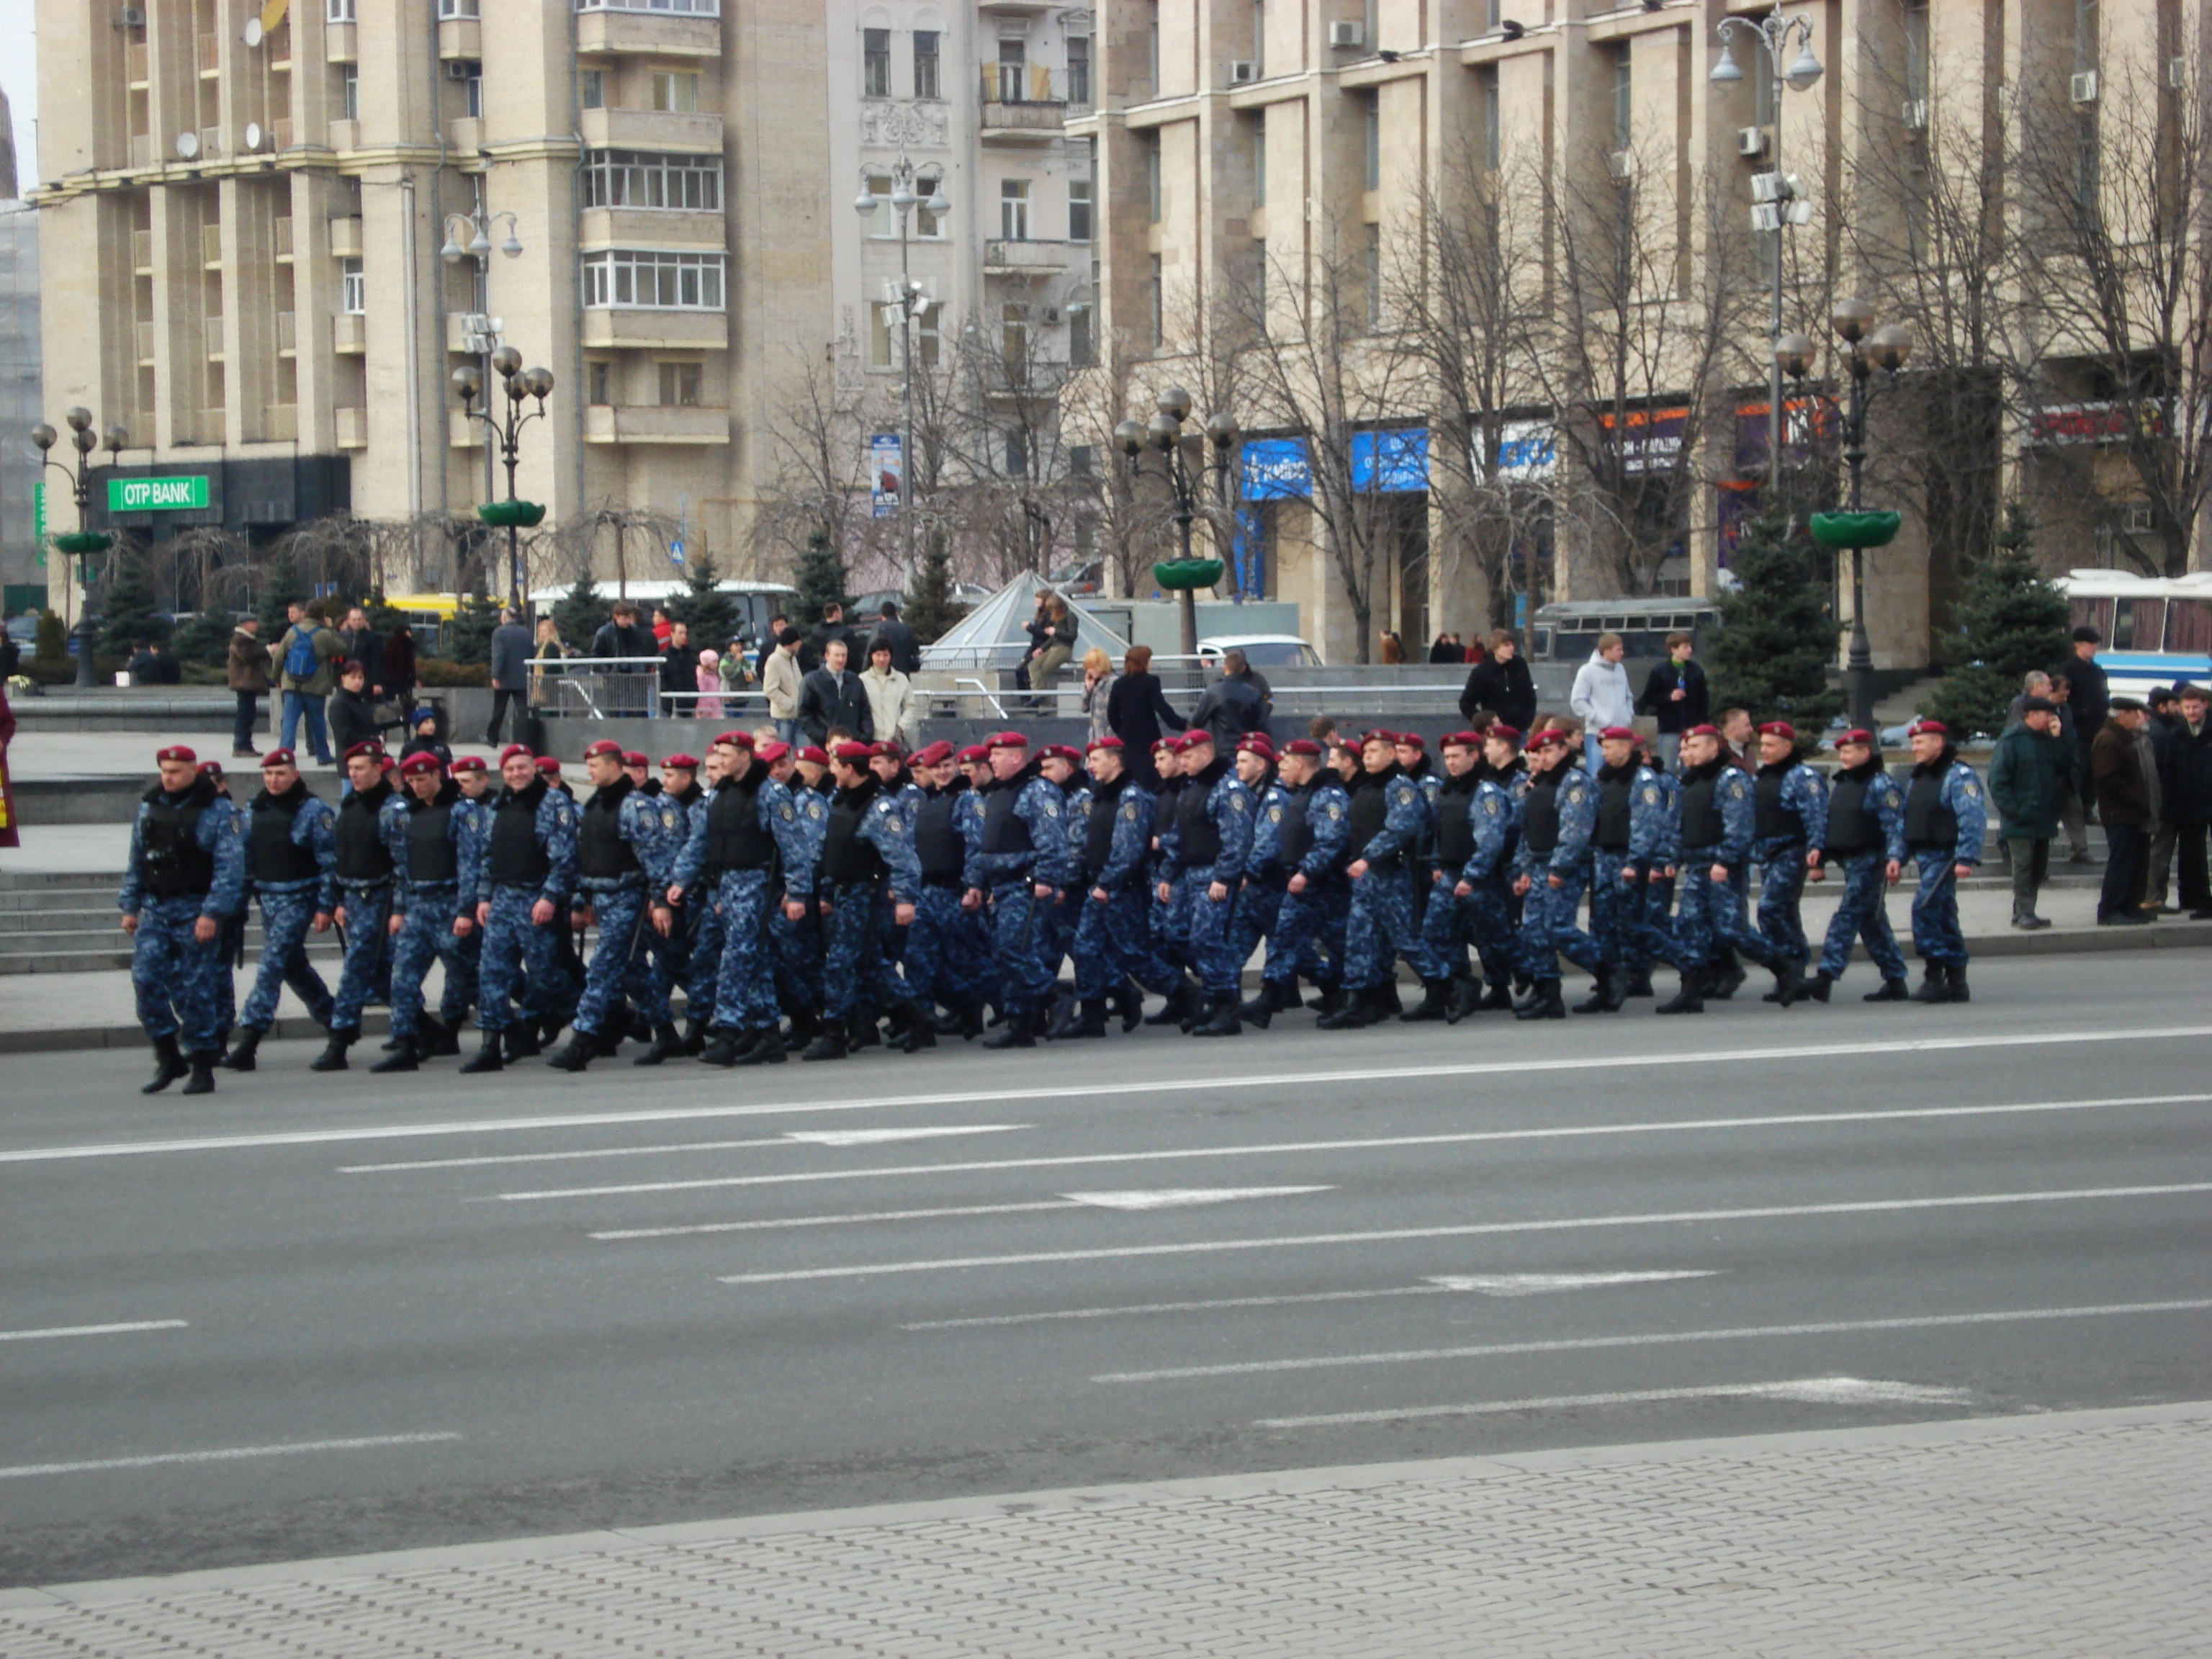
x,y
276,238
1304,160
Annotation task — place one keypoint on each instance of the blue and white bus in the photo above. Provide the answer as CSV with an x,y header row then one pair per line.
x,y
2157,629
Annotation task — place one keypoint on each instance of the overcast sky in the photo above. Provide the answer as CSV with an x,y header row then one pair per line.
x,y
19,55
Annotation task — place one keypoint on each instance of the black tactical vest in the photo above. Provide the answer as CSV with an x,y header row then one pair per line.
x,y
362,856
737,839
176,866
272,857
1776,821
1004,831
1099,830
1371,812
1853,826
847,855
937,842
1198,840
601,851
1702,823
1927,821
1540,811
517,858
1455,828
431,855
1294,839
1616,801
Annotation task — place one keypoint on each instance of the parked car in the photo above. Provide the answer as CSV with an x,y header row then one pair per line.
x,y
1262,651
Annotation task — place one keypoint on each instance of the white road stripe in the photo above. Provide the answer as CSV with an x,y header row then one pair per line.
x,y
1205,1246
1649,1340
1178,1084
835,1220
1795,1119
1542,1284
794,1138
226,1455
1812,1390
95,1330
1175,1198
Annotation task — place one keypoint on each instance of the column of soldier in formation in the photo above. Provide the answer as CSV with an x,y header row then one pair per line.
x,y
823,903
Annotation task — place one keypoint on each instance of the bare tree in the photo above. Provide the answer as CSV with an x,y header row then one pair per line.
x,y
1133,530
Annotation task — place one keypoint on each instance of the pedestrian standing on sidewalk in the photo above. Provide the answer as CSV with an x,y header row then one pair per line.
x,y
2188,798
306,660
247,674
2028,771
2081,793
510,658
1602,696
1676,697
2124,806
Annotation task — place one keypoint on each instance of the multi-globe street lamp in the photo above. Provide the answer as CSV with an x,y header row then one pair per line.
x,y
507,431
85,544
912,301
1164,433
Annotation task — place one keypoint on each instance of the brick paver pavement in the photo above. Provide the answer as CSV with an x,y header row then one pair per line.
x,y
2086,1533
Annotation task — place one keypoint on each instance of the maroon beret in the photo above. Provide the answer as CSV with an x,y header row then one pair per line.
x,y
1305,746
973,754
1006,740
768,754
370,748
1779,729
1617,734
176,752
517,752
1109,741
635,757
279,757
604,746
1703,732
549,765
1857,735
813,754
1257,743
1506,733
680,762
1551,737
421,763
1460,740
732,739
210,768
933,754
469,763
1409,740
1936,728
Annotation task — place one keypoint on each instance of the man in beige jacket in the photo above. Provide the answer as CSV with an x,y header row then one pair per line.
x,y
890,698
780,679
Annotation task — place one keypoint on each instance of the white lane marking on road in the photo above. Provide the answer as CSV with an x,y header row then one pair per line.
x,y
790,1138
228,1454
1649,1340
95,1330
1178,1084
1795,1119
1203,1246
1539,1284
876,1137
1441,1285
834,1221
1812,1390
1173,1198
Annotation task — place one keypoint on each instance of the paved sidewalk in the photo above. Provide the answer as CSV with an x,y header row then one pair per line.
x,y
2078,1533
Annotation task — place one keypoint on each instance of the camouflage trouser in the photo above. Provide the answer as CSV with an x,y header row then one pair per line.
x,y
1709,916
620,968
1259,906
1114,942
704,949
1308,937
1446,924
426,935
177,978
1624,939
857,969
947,954
1864,913
744,982
1935,932
286,913
1210,927
1025,982
672,956
799,949
1057,922
365,972
1381,928
1171,918
516,974
1547,924
1781,891
1480,919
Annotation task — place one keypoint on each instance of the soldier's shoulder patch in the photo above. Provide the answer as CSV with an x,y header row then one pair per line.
x,y
788,811
1129,811
1971,790
668,818
1274,815
891,822
1489,804
1051,808
814,806
1334,811
1650,794
1238,800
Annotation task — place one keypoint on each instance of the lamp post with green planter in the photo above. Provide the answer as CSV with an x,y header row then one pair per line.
x,y
85,544
513,513
1164,433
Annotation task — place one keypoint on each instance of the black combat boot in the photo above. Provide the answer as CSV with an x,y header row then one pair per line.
x,y
1128,1000
1435,994
1178,1000
203,1064
1638,983
488,1058
1599,1000
607,1042
1331,1000
582,1048
523,1040
696,1034
666,1045
1019,1032
1892,990
333,1057
1261,1009
1726,979
1545,1002
1786,982
828,1043
1497,999
1934,984
436,1039
1691,998
1060,1020
725,1048
762,1047
1466,998
920,1031
1958,991
241,1057
1091,1021
169,1065
1386,1000
1361,1008
1816,988
805,1026
1220,1020
405,1058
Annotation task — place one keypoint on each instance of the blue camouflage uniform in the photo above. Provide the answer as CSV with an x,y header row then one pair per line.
x,y
1060,917
1447,919
751,845
232,945
1314,841
1866,832
364,893
1021,845
800,945
1260,903
1488,871
1213,838
671,953
867,844
947,955
1793,816
1946,816
187,861
1719,814
1634,834
1387,815
291,868
431,847
1558,812
528,854
1170,915
1429,775
1113,935
621,872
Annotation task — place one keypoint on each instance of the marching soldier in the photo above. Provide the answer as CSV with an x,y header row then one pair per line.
x,y
1446,923
187,871
291,867
1260,891
527,869
1946,816
1114,953
674,793
1171,928
867,837
363,909
1017,865
1633,833
433,913
1062,767
1719,818
944,951
621,883
1551,868
1866,841
231,946
1793,820
1388,815
1484,887
1304,865
1214,835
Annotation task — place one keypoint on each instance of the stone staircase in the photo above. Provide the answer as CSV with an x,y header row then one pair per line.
x,y
66,923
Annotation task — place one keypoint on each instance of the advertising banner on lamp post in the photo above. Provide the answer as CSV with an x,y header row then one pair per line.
x,y
886,473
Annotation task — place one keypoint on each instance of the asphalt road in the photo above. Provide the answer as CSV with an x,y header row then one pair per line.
x,y
369,1314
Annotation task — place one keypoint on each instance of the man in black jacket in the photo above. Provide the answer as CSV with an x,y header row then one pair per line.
x,y
2185,796
625,689
2090,697
906,651
1501,683
679,673
830,696
1676,696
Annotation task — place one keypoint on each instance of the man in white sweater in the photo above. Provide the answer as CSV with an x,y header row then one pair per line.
x,y
1602,696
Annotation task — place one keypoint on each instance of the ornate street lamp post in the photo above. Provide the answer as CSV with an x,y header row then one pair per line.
x,y
912,302
85,544
507,431
1164,433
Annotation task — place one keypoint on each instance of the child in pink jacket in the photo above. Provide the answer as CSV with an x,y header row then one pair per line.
x,y
710,708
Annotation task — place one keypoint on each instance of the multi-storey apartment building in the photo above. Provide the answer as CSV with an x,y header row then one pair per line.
x,y
1513,241
288,228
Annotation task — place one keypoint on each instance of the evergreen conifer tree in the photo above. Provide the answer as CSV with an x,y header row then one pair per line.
x,y
1777,641
582,613
205,640
710,614
2010,621
819,576
281,587
126,609
932,610
468,637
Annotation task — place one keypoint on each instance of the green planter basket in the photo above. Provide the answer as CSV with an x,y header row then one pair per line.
x,y
78,543
521,514
1844,530
1180,575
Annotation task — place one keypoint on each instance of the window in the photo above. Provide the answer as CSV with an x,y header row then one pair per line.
x,y
2086,29
685,8
651,280
1017,451
599,378
925,64
883,328
471,89
1260,160
1078,210
1624,98
1915,49
1014,343
875,63
1370,264
928,339
349,92
453,8
1372,125
1079,337
1014,210
1158,298
338,11
1014,72
1152,182
674,91
680,385
1259,39
930,225
1078,68
353,289
1259,277
641,178
1486,86
591,90
881,223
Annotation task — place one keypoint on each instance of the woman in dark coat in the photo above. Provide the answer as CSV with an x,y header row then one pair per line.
x,y
1501,683
1137,713
399,666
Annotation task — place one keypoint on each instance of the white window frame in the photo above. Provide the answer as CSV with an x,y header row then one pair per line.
x,y
619,278
659,181
1014,210
338,11
1079,196
681,7
679,87
673,368
872,60
934,58
457,11
353,287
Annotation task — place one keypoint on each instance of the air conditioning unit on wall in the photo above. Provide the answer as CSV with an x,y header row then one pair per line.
x,y
2083,87
1751,141
1621,164
1916,114
1347,32
1243,71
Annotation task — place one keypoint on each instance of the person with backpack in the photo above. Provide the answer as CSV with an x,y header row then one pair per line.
x,y
306,659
